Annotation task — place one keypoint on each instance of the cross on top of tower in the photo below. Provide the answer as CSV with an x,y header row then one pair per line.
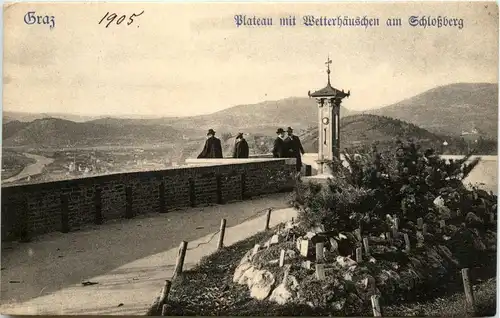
x,y
329,91
328,62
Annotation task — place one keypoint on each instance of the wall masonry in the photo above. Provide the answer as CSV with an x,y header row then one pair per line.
x,y
34,209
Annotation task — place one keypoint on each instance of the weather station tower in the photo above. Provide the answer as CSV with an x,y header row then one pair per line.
x,y
329,100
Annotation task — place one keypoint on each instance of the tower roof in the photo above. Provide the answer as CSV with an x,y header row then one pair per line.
x,y
329,91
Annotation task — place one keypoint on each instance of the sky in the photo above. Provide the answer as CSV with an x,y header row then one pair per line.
x,y
181,59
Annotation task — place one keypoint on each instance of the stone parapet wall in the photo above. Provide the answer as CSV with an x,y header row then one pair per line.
x,y
34,209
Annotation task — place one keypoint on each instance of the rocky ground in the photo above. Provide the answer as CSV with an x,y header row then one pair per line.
x,y
244,280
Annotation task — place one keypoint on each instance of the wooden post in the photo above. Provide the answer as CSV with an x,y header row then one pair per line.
x,y
179,263
268,219
469,294
161,197
320,251
366,245
320,271
282,258
407,243
129,213
359,255
164,295
420,223
64,213
376,306
222,231
98,219
396,223
164,310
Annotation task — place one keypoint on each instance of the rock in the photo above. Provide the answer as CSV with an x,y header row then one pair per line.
x,y
285,291
240,273
260,284
280,295
345,261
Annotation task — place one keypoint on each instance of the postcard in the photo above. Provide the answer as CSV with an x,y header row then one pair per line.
x,y
250,159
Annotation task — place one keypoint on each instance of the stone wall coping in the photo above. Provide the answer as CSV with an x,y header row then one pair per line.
x,y
96,179
225,161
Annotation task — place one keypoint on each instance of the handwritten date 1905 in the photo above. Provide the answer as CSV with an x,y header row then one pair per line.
x,y
113,16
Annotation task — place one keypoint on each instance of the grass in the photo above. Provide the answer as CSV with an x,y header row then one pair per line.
x,y
208,290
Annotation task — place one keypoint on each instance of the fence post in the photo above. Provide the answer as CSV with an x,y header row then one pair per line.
x,y
359,255
180,258
222,230
320,251
376,306
164,295
282,258
469,294
366,245
320,271
407,243
268,219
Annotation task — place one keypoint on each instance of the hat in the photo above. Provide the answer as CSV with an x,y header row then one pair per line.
x,y
280,130
211,132
240,135
289,129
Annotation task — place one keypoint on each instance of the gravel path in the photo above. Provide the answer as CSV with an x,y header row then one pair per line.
x,y
57,261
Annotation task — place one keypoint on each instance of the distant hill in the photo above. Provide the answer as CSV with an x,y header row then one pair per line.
x,y
54,132
9,116
450,109
361,131
265,117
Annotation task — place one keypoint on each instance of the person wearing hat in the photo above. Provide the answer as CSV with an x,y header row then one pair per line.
x,y
279,144
240,147
212,148
294,148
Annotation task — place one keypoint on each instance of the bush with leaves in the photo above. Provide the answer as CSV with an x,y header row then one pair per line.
x,y
404,184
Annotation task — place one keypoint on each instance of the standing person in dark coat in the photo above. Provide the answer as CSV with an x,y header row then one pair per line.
x,y
294,148
279,144
240,147
213,147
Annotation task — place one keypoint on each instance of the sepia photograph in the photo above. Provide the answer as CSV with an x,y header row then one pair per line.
x,y
250,159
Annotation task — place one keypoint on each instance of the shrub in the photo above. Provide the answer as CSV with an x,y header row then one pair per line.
x,y
402,183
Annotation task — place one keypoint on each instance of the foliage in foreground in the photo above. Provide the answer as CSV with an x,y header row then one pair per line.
x,y
403,184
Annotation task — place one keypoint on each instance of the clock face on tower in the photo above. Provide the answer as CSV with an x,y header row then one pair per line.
x,y
325,120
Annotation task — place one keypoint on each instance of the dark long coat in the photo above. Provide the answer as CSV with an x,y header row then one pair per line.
x,y
241,149
279,148
212,149
295,150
